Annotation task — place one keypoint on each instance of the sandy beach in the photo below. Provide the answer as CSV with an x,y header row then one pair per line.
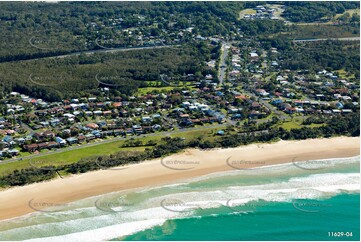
x,y
188,164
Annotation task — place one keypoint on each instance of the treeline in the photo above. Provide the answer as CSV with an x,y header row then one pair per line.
x,y
316,55
306,11
37,29
323,31
122,72
258,28
342,125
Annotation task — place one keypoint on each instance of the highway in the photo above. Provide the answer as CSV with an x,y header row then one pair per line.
x,y
341,39
109,50
121,49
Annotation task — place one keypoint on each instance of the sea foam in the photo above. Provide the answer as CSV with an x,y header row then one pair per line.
x,y
91,224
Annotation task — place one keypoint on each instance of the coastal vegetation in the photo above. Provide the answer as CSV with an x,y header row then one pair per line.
x,y
346,126
82,75
315,11
35,30
314,55
111,59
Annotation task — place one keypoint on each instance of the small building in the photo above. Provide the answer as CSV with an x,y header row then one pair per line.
x,y
81,138
31,147
89,137
54,122
220,132
146,119
92,126
52,145
72,140
13,152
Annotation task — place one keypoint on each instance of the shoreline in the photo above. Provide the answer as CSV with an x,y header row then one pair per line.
x,y
190,163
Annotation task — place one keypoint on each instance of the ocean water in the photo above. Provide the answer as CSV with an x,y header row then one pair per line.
x,y
313,200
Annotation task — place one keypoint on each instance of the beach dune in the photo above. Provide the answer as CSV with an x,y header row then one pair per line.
x,y
188,164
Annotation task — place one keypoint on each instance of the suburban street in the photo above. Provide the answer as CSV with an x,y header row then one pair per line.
x,y
281,115
222,63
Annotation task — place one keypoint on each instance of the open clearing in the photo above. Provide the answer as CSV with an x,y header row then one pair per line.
x,y
332,21
246,11
350,11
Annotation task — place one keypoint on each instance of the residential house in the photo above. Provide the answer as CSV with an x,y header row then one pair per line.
x,y
72,140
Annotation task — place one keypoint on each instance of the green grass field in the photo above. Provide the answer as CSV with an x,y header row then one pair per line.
x,y
146,90
153,87
246,11
68,157
290,125
296,123
350,11
343,74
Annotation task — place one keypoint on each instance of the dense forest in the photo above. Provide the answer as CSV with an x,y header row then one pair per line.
x,y
56,78
316,11
315,55
33,30
38,29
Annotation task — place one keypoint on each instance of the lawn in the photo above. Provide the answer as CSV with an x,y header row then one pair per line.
x,y
314,125
296,123
290,125
68,157
331,21
350,11
146,90
246,11
343,74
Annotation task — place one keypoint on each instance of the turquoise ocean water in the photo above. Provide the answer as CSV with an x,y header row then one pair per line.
x,y
301,201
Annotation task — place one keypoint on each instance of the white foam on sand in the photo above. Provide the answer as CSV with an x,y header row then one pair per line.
x,y
82,224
